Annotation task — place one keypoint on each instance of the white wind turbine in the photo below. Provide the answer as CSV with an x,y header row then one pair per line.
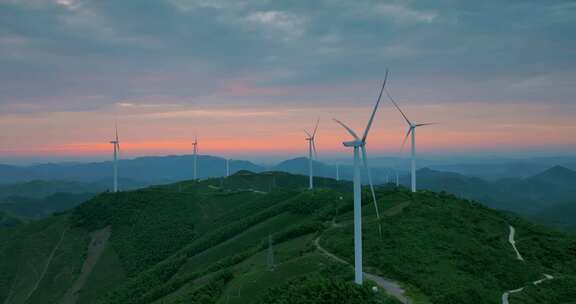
x,y
360,144
411,131
312,154
116,144
227,167
195,145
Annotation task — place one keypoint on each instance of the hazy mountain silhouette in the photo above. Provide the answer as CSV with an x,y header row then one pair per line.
x,y
549,191
143,170
526,196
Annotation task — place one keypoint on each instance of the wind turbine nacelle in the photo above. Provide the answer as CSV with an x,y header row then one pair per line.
x,y
352,143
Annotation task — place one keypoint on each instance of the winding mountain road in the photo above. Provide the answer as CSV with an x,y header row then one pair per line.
x,y
512,241
392,288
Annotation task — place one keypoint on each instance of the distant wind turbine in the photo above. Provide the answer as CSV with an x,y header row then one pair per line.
x,y
411,131
116,144
312,154
337,172
227,167
360,144
195,144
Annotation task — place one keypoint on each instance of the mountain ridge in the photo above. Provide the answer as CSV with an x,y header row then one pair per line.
x,y
169,241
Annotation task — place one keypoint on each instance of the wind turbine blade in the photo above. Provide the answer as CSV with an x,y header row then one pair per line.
x,y
425,124
116,128
314,149
365,161
397,107
405,139
316,128
375,108
307,133
347,129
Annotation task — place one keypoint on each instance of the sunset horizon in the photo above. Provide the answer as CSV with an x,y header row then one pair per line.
x,y
248,76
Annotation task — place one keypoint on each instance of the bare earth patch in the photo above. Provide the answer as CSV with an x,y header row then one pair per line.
x,y
98,242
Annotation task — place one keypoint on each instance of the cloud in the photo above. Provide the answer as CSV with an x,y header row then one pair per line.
x,y
136,105
215,113
88,20
290,25
549,85
188,5
404,14
69,4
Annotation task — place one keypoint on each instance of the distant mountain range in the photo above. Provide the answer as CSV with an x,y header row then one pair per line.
x,y
142,170
488,168
547,196
166,169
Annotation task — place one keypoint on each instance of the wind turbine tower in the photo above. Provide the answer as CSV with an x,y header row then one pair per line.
x,y
227,167
359,146
195,145
337,172
411,131
312,154
116,144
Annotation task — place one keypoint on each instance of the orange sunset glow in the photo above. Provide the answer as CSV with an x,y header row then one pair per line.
x,y
233,131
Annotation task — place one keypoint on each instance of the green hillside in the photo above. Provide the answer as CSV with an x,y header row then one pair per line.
x,y
37,208
209,242
7,220
42,188
561,215
544,197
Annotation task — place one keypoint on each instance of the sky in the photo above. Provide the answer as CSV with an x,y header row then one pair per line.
x,y
248,76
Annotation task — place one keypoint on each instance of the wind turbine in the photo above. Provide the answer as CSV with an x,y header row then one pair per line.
x,y
227,167
360,144
116,144
337,172
411,131
195,144
311,157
